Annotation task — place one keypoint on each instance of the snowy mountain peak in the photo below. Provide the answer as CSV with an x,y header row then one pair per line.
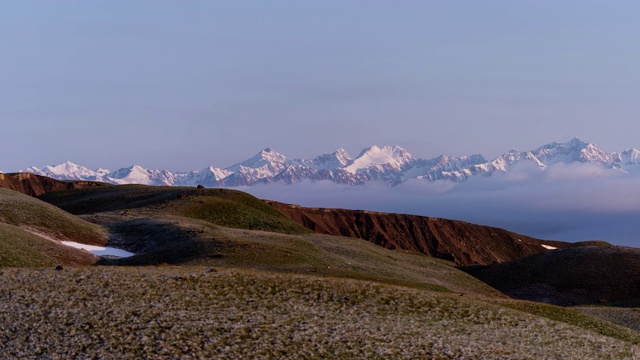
x,y
265,164
66,171
392,156
592,153
389,151
336,159
630,157
575,141
342,155
573,150
135,171
387,164
65,167
265,157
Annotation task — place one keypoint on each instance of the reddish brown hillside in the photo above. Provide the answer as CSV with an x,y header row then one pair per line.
x,y
458,241
35,185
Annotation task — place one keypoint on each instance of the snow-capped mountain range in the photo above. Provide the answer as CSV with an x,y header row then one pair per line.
x,y
392,165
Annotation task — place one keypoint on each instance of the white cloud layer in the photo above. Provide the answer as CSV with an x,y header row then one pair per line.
x,y
564,202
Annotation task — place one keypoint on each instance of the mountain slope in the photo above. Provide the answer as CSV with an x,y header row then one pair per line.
x,y
222,207
457,241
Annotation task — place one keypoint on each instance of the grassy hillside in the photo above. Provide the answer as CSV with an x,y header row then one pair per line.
x,y
189,242
217,227
229,228
19,248
22,210
222,207
28,227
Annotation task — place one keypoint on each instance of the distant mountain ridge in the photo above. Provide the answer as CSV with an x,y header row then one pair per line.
x,y
392,165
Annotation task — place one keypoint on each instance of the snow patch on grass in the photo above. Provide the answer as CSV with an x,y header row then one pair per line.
x,y
99,250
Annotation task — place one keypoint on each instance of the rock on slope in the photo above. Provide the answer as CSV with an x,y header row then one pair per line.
x,y
458,241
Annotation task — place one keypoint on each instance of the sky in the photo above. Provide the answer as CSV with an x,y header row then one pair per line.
x,y
182,85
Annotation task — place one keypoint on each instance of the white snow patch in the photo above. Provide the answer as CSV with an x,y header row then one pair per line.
x,y
549,247
98,250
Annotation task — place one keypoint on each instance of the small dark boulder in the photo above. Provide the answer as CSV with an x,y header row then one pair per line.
x,y
58,268
200,187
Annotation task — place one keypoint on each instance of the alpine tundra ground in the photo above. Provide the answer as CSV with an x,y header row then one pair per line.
x,y
198,312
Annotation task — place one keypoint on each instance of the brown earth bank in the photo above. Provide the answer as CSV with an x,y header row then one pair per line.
x,y
35,185
604,274
457,241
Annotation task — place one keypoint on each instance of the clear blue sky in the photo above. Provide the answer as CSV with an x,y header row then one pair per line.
x,y
186,84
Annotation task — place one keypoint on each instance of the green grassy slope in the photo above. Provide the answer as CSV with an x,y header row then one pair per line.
x,y
28,224
19,248
194,242
222,207
22,210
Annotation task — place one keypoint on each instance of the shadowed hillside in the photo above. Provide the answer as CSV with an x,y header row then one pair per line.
x,y
457,241
568,276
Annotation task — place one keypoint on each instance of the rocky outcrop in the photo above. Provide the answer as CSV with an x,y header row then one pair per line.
x,y
35,185
458,241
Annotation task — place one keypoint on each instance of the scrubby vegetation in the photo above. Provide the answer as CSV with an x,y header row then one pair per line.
x,y
628,317
194,312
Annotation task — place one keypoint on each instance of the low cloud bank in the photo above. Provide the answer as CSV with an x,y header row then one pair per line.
x,y
564,202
